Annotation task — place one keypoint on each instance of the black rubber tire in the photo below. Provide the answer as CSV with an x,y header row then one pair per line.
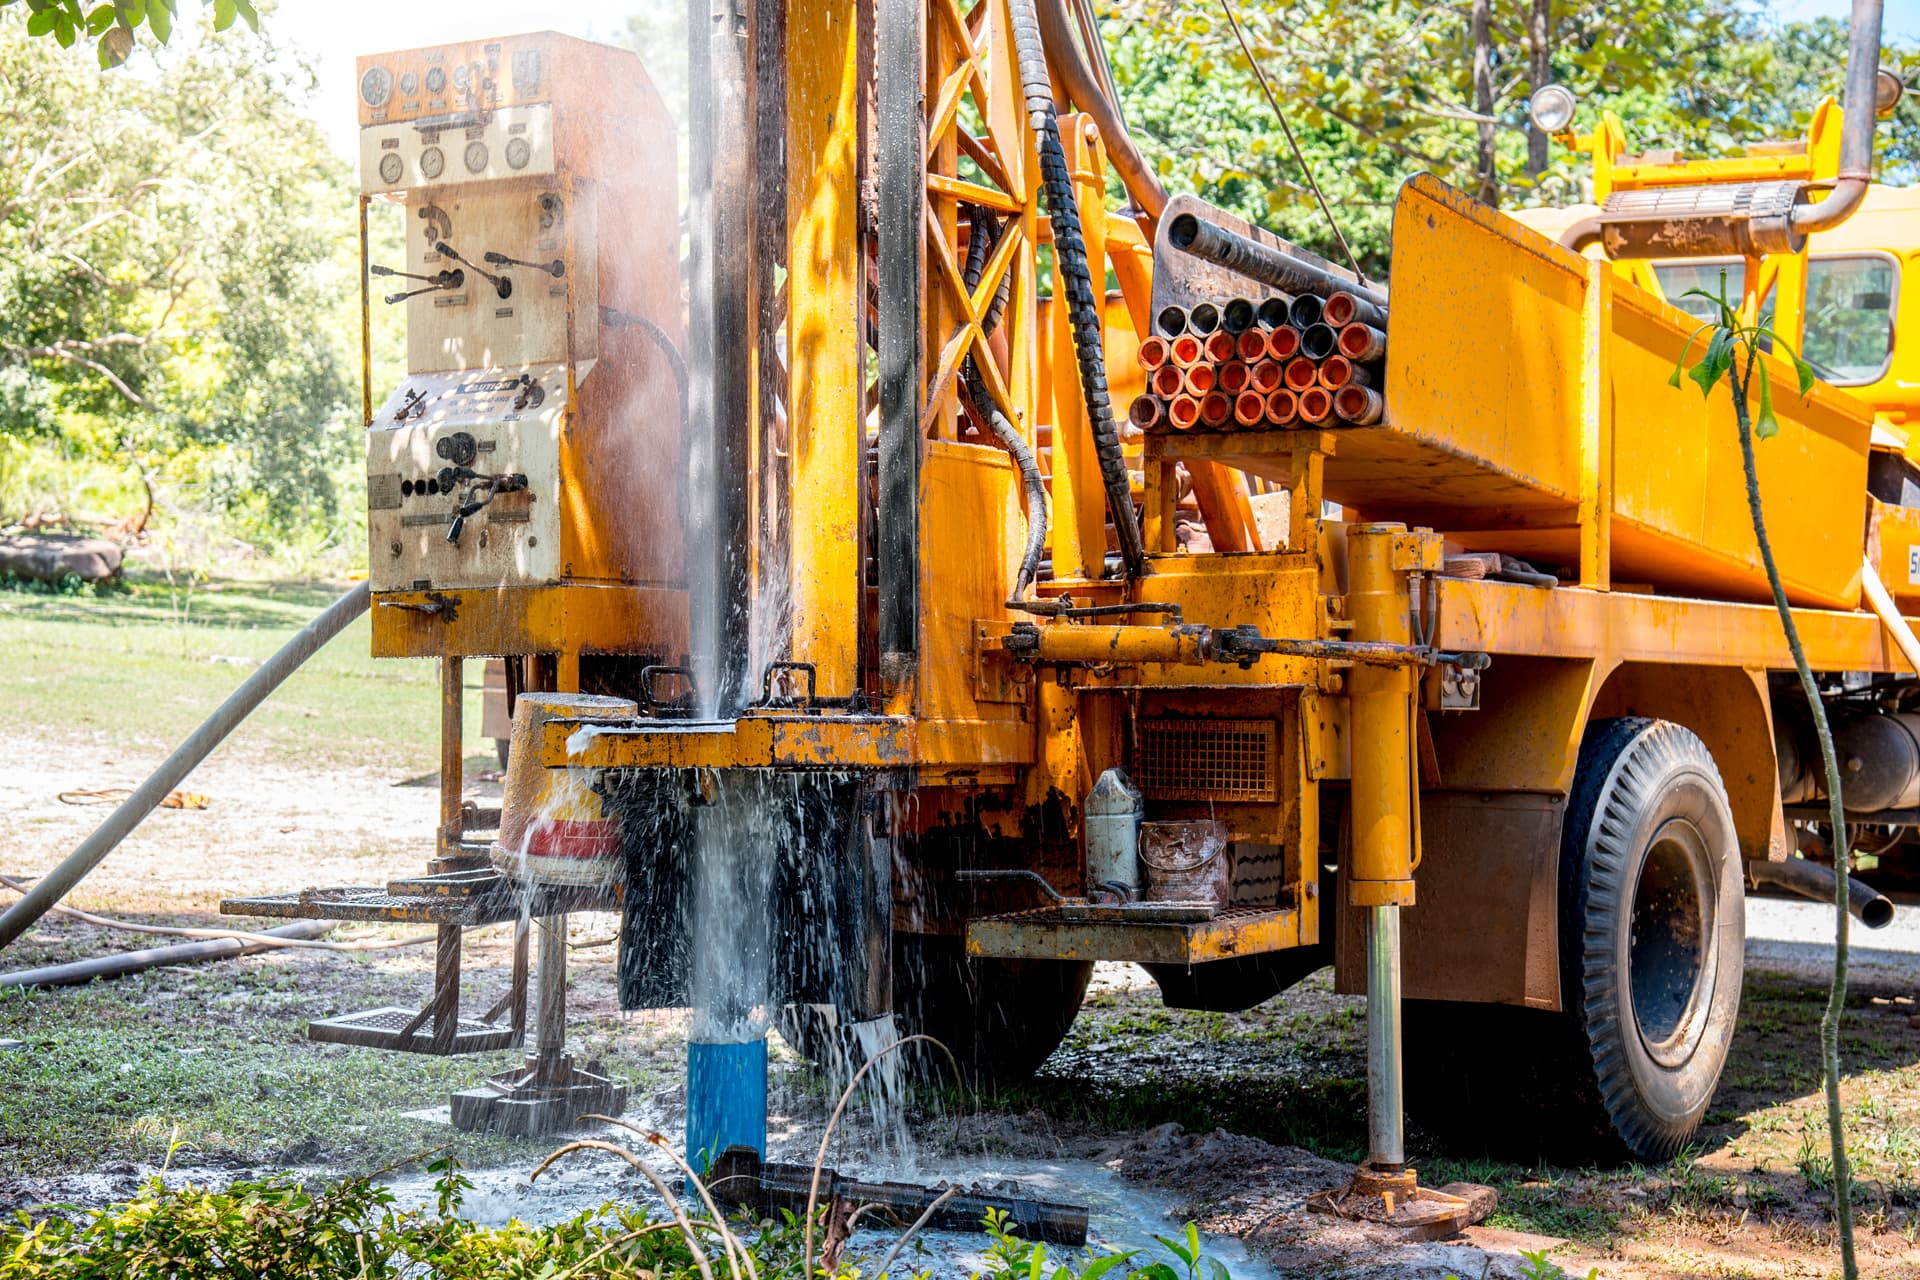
x,y
1001,1018
1652,933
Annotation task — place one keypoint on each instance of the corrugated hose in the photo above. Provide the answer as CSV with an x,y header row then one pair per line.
x,y
1070,251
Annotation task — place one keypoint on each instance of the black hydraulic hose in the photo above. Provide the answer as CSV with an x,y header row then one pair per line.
x,y
983,235
1083,305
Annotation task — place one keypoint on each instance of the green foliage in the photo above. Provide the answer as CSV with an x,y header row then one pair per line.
x,y
177,269
1379,90
280,1228
112,26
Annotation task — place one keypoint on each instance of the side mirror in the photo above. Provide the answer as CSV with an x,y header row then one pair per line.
x,y
1550,109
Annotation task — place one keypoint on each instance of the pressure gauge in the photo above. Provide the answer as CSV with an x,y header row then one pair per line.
x,y
436,79
460,76
433,162
376,86
409,84
391,167
518,153
476,156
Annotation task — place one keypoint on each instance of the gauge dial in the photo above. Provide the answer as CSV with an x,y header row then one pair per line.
x,y
518,153
409,84
436,79
391,167
476,156
460,77
376,86
433,162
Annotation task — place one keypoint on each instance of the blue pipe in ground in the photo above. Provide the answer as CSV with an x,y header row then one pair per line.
x,y
726,1099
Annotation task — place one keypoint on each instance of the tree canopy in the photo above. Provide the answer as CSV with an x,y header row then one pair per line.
x,y
1378,90
176,259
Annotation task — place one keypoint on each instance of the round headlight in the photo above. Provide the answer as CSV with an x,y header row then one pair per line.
x,y
1887,88
1551,108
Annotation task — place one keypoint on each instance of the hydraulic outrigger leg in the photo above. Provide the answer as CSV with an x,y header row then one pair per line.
x,y
1384,566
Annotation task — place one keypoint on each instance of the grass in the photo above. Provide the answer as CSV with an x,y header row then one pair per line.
x,y
139,669
218,1055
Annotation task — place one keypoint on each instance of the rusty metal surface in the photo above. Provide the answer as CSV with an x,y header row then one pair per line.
x,y
1484,926
387,1028
1047,934
461,898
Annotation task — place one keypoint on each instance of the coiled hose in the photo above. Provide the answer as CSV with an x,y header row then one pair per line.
x,y
984,235
1070,251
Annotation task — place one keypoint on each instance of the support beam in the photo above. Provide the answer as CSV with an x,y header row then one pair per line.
x,y
900,157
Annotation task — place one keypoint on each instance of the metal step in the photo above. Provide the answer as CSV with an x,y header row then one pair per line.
x,y
469,898
412,1031
1051,933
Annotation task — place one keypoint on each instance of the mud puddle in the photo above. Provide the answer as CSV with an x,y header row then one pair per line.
x,y
1122,1215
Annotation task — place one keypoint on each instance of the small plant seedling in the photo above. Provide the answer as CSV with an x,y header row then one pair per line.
x,y
1736,352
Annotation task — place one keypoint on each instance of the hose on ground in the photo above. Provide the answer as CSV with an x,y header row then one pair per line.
x,y
57,883
236,935
1083,305
983,235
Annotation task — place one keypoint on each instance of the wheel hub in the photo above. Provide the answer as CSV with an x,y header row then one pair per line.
x,y
1670,953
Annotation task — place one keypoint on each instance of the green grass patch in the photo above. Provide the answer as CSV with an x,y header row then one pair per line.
x,y
138,669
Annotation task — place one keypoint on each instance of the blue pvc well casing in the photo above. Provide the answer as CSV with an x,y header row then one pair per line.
x,y
726,1099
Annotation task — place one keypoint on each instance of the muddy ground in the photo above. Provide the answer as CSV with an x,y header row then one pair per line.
x,y
1235,1117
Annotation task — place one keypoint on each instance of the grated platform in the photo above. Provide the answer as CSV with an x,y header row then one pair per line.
x,y
468,898
386,1029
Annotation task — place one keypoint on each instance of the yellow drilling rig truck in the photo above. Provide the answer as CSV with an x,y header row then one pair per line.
x,y
899,620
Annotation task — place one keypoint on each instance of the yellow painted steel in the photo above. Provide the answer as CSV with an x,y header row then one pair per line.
x,y
824,338
1504,428
1044,935
841,742
566,619
1385,796
1168,645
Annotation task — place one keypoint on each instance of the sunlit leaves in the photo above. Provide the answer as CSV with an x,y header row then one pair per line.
x,y
111,26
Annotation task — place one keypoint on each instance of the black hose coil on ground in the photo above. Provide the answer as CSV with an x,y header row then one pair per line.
x,y
1083,309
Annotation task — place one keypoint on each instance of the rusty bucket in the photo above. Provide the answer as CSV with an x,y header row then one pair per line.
x,y
1187,861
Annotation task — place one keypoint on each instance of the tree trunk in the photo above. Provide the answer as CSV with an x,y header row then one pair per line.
x,y
1481,35
1539,72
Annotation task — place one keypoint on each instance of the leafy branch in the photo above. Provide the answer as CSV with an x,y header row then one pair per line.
x,y
1734,352
111,26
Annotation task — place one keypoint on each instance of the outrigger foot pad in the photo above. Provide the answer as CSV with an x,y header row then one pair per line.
x,y
544,1097
1395,1198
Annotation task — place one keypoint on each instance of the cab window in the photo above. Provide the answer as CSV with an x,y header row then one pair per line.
x,y
1677,278
1849,334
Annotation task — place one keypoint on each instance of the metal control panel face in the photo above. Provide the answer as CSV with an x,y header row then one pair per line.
x,y
511,142
456,504
479,76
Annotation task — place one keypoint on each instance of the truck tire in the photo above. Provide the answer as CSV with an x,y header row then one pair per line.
x,y
1001,1018
1652,932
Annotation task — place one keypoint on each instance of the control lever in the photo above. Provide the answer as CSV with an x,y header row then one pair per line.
x,y
481,489
449,280
557,269
501,285
438,277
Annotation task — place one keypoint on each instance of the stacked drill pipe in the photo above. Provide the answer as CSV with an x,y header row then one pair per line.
x,y
1259,366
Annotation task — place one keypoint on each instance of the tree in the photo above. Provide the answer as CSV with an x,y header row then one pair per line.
x,y
177,266
1382,89
111,26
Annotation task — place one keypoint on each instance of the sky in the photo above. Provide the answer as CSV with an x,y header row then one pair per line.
x,y
335,33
